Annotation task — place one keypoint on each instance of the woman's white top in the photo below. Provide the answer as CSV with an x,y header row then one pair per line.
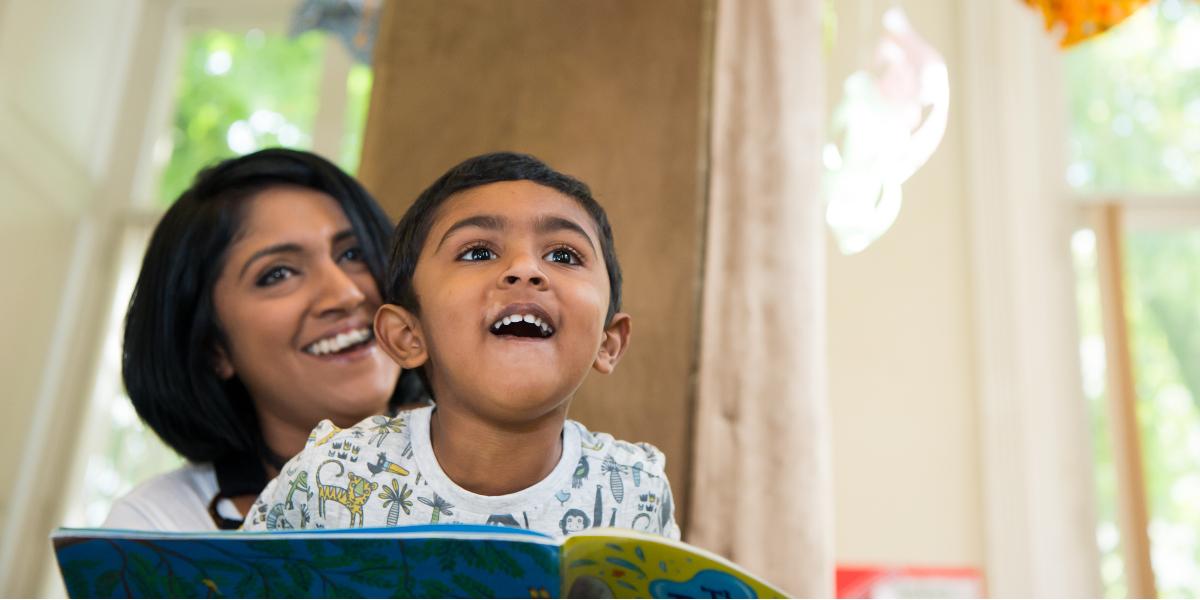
x,y
174,501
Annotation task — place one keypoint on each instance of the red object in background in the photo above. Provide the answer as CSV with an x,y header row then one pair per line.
x,y
908,582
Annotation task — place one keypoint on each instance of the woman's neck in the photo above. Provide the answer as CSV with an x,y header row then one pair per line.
x,y
283,439
490,459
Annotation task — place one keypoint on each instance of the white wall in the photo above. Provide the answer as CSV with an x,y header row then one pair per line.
x,y
902,387
73,121
52,91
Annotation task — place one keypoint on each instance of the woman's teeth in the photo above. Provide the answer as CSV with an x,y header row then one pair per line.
x,y
540,324
339,342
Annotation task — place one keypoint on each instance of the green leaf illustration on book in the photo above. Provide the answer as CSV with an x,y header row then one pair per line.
x,y
413,561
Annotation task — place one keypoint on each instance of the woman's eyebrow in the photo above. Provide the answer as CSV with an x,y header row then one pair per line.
x,y
343,235
285,248
552,224
492,222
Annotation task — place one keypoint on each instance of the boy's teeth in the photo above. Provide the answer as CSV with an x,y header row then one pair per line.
x,y
531,319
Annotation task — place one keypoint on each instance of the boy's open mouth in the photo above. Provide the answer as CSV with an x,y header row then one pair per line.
x,y
341,343
524,323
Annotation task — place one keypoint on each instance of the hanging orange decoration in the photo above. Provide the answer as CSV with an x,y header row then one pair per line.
x,y
1083,19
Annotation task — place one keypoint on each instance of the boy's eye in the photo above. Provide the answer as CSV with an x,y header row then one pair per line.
x,y
564,256
273,276
477,253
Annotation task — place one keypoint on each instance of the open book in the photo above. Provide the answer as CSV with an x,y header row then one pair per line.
x,y
415,561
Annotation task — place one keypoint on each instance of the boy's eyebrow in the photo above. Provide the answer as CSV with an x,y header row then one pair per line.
x,y
551,224
492,222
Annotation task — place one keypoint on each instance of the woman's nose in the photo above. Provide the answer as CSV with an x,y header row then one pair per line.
x,y
337,291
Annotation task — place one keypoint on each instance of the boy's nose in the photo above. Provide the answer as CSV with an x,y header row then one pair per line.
x,y
523,269
515,279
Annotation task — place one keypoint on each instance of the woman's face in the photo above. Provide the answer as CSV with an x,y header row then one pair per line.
x,y
295,301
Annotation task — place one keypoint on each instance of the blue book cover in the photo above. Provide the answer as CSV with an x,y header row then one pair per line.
x,y
425,561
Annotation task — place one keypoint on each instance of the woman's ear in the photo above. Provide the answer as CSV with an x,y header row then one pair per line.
x,y
399,334
221,363
614,343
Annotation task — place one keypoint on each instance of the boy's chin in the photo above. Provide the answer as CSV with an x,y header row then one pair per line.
x,y
523,401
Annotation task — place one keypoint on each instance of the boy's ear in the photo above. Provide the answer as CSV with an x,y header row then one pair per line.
x,y
221,363
614,343
399,334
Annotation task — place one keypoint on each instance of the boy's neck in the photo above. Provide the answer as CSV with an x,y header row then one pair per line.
x,y
491,459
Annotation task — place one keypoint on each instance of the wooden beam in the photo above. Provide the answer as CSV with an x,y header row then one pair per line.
x,y
1132,514
610,92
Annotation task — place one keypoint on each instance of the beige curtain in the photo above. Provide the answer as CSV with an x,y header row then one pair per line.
x,y
761,492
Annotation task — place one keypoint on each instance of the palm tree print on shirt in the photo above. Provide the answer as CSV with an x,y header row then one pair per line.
x,y
439,505
396,498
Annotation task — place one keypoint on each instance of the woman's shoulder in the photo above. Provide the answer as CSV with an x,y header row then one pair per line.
x,y
173,501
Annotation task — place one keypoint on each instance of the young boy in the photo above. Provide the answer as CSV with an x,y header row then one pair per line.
x,y
503,289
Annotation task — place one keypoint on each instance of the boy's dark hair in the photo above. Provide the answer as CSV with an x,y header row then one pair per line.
x,y
171,329
410,234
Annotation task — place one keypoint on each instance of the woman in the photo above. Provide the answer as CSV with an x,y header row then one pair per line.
x,y
251,321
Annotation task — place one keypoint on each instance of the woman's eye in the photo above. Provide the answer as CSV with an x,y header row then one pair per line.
x,y
564,256
273,276
477,253
354,254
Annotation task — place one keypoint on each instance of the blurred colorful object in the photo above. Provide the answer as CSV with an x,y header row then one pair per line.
x,y
355,22
1083,19
889,122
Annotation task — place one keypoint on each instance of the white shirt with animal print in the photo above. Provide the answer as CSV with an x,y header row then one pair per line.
x,y
383,472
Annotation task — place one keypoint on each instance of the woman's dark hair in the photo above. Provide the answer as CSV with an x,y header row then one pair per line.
x,y
171,329
414,226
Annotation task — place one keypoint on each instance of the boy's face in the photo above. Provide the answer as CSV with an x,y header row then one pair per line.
x,y
511,251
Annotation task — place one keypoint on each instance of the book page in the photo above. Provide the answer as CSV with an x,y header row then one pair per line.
x,y
618,563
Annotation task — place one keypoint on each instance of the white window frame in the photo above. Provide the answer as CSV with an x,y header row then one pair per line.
x,y
1113,218
128,210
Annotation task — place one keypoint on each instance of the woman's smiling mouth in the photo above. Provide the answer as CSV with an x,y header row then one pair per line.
x,y
344,342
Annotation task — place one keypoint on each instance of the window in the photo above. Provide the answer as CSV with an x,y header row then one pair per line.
x,y
1134,147
235,91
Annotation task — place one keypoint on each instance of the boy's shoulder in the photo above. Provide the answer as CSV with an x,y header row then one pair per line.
x,y
603,447
376,432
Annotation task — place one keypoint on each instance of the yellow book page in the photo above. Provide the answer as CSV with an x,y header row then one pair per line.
x,y
619,563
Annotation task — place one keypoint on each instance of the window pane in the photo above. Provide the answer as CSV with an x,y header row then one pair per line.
x,y
1134,98
358,100
1164,313
117,451
238,93
235,92
1092,360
